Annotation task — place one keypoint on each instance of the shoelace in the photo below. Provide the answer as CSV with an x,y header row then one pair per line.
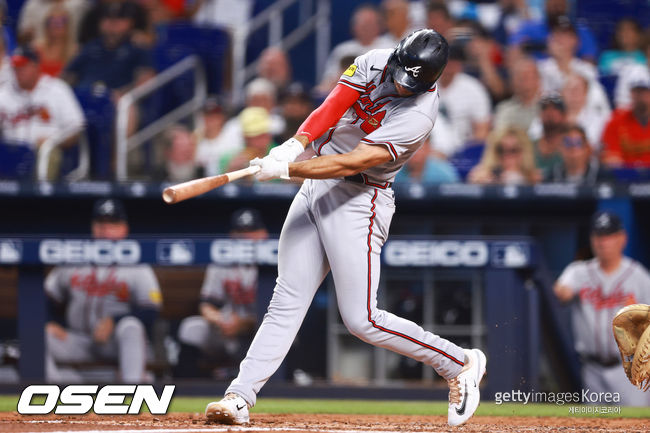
x,y
455,396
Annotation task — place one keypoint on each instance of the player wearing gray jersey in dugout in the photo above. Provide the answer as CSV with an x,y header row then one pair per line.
x,y
382,109
103,311
597,289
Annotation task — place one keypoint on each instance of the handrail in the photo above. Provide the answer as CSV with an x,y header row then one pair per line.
x,y
272,15
124,143
56,140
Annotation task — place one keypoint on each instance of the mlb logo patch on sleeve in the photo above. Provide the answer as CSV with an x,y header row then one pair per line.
x,y
350,70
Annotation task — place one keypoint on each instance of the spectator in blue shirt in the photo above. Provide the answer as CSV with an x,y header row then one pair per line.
x,y
425,168
532,35
626,50
111,60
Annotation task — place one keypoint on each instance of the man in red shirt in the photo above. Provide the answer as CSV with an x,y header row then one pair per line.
x,y
627,135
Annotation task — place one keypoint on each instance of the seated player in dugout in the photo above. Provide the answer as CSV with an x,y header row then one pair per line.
x,y
100,313
597,289
215,340
380,112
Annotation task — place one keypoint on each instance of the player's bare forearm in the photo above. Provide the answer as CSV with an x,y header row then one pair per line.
x,y
346,164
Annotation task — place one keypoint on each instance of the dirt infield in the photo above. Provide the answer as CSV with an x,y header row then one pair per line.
x,y
177,423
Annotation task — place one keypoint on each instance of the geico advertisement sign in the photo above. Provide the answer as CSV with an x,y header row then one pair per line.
x,y
243,251
436,253
80,399
58,251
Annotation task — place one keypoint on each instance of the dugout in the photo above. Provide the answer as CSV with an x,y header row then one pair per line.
x,y
512,313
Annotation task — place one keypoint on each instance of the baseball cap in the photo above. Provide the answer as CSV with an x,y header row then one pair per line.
x,y
641,82
255,121
109,209
212,105
23,55
563,23
246,220
118,10
605,223
552,100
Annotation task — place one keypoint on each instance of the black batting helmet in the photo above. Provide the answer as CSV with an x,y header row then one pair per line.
x,y
419,59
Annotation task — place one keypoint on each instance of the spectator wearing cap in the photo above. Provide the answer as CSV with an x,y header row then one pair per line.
x,y
262,93
547,132
89,27
626,139
101,312
626,48
212,142
581,109
532,36
579,165
112,60
221,334
38,107
464,100
31,21
523,107
629,75
595,290
295,106
256,128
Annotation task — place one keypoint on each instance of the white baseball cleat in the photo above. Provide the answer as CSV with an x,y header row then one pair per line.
x,y
464,394
232,409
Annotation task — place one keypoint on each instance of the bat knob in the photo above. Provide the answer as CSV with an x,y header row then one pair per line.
x,y
169,195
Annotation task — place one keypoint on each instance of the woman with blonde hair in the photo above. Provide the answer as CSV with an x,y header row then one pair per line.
x,y
508,159
57,46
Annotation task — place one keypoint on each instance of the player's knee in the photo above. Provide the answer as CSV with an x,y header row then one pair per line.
x,y
130,326
192,331
360,327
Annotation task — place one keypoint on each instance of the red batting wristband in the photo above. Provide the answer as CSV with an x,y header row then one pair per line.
x,y
329,112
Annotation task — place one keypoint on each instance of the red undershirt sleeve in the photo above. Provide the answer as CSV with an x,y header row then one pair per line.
x,y
329,112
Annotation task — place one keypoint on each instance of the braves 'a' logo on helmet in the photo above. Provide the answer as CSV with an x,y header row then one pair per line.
x,y
415,70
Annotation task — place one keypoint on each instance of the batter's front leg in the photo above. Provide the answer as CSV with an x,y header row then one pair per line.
x,y
302,266
355,267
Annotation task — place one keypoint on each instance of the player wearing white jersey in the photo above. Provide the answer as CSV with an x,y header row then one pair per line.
x,y
378,115
598,288
35,107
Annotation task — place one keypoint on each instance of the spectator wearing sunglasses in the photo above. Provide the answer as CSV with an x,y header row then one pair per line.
x,y
578,166
508,159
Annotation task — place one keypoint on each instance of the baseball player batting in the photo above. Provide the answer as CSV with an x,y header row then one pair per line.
x,y
382,109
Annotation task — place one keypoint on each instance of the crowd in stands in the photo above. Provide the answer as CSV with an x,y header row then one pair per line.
x,y
527,96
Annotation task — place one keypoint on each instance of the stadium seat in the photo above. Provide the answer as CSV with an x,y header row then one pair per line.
x,y
16,162
467,158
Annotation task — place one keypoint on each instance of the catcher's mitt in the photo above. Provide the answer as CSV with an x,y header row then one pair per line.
x,y
632,335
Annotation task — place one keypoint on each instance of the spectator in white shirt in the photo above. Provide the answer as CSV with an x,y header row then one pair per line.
x,y
366,28
464,100
212,143
591,117
522,108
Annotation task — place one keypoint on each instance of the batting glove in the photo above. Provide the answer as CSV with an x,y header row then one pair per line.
x,y
271,168
287,151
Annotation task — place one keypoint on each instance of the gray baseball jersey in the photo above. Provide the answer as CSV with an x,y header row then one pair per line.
x,y
380,116
231,288
92,293
601,296
341,225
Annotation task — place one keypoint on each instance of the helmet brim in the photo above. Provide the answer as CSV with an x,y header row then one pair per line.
x,y
409,82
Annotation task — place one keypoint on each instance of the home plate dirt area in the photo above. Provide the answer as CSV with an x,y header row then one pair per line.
x,y
295,423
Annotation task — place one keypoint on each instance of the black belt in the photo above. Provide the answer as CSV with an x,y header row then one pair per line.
x,y
610,362
363,179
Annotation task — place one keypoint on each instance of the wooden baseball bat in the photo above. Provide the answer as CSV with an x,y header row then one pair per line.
x,y
192,188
